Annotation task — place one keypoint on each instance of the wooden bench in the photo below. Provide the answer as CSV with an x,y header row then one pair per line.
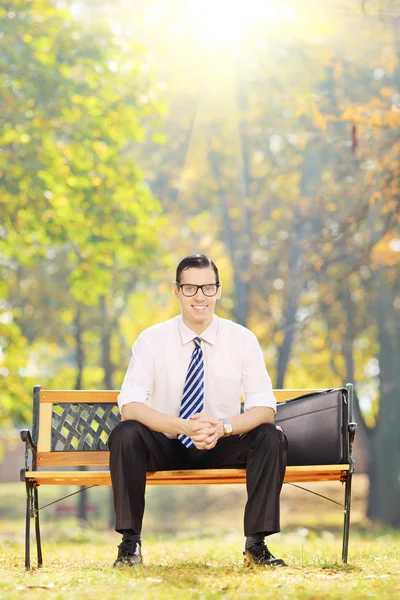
x,y
71,429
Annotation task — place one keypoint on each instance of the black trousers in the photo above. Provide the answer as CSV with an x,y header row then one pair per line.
x,y
135,449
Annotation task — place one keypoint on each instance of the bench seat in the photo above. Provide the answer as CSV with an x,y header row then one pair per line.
x,y
189,477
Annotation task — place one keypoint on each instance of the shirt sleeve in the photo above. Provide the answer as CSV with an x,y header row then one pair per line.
x,y
256,382
139,379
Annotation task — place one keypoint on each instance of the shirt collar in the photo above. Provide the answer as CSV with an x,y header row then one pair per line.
x,y
209,335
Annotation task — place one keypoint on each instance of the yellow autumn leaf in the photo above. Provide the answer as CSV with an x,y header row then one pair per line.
x,y
328,247
386,92
319,119
393,119
348,114
374,197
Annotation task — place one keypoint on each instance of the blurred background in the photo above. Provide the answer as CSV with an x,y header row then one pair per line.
x,y
264,134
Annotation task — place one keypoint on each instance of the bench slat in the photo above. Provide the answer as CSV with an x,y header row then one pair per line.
x,y
45,417
97,458
81,396
190,477
94,396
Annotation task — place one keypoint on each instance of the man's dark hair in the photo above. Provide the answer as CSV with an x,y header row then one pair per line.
x,y
198,261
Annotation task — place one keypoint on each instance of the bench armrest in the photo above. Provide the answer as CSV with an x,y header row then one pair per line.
x,y
352,432
26,437
31,447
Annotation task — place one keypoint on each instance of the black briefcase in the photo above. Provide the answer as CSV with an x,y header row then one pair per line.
x,y
316,426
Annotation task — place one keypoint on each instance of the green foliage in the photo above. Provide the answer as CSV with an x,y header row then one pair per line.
x,y
13,360
68,178
76,212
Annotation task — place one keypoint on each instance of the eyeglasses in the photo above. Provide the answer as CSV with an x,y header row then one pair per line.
x,y
208,289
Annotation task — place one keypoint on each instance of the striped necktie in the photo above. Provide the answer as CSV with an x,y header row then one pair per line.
x,y
193,392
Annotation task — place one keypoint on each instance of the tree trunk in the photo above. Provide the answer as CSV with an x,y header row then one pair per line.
x,y
384,497
237,247
80,356
294,285
363,432
285,348
83,502
242,258
80,360
241,307
107,364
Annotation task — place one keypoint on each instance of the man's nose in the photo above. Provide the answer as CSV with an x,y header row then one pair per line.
x,y
199,294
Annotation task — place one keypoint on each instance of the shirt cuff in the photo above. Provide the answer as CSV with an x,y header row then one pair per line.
x,y
126,397
260,400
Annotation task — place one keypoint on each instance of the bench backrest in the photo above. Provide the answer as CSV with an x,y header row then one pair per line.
x,y
71,428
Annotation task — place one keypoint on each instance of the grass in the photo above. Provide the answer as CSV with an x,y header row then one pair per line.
x,y
204,561
77,564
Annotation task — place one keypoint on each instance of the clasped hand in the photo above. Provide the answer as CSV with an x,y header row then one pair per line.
x,y
204,431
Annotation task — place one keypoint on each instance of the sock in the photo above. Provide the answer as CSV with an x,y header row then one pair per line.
x,y
254,539
128,534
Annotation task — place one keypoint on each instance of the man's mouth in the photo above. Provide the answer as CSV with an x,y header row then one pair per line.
x,y
199,307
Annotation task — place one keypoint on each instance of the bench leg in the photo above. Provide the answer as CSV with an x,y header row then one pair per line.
x,y
346,527
28,527
37,528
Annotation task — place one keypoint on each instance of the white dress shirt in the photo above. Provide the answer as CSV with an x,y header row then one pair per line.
x,y
233,366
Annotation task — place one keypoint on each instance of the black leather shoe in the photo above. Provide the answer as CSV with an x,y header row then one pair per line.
x,y
259,555
129,553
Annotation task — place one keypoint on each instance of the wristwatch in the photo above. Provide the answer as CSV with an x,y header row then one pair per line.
x,y
227,427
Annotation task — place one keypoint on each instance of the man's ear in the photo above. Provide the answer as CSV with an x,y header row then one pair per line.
x,y
219,293
175,290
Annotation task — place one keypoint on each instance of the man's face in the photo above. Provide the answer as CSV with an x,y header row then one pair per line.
x,y
197,310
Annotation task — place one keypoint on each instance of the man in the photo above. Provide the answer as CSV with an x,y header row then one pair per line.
x,y
180,407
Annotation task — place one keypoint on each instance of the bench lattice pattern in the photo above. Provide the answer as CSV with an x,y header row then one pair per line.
x,y
82,427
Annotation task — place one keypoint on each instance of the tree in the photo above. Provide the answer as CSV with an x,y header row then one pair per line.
x,y
302,179
72,107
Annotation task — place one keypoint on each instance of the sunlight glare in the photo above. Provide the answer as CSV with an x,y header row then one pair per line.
x,y
227,22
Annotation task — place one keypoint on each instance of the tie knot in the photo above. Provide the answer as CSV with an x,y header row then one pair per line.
x,y
197,341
